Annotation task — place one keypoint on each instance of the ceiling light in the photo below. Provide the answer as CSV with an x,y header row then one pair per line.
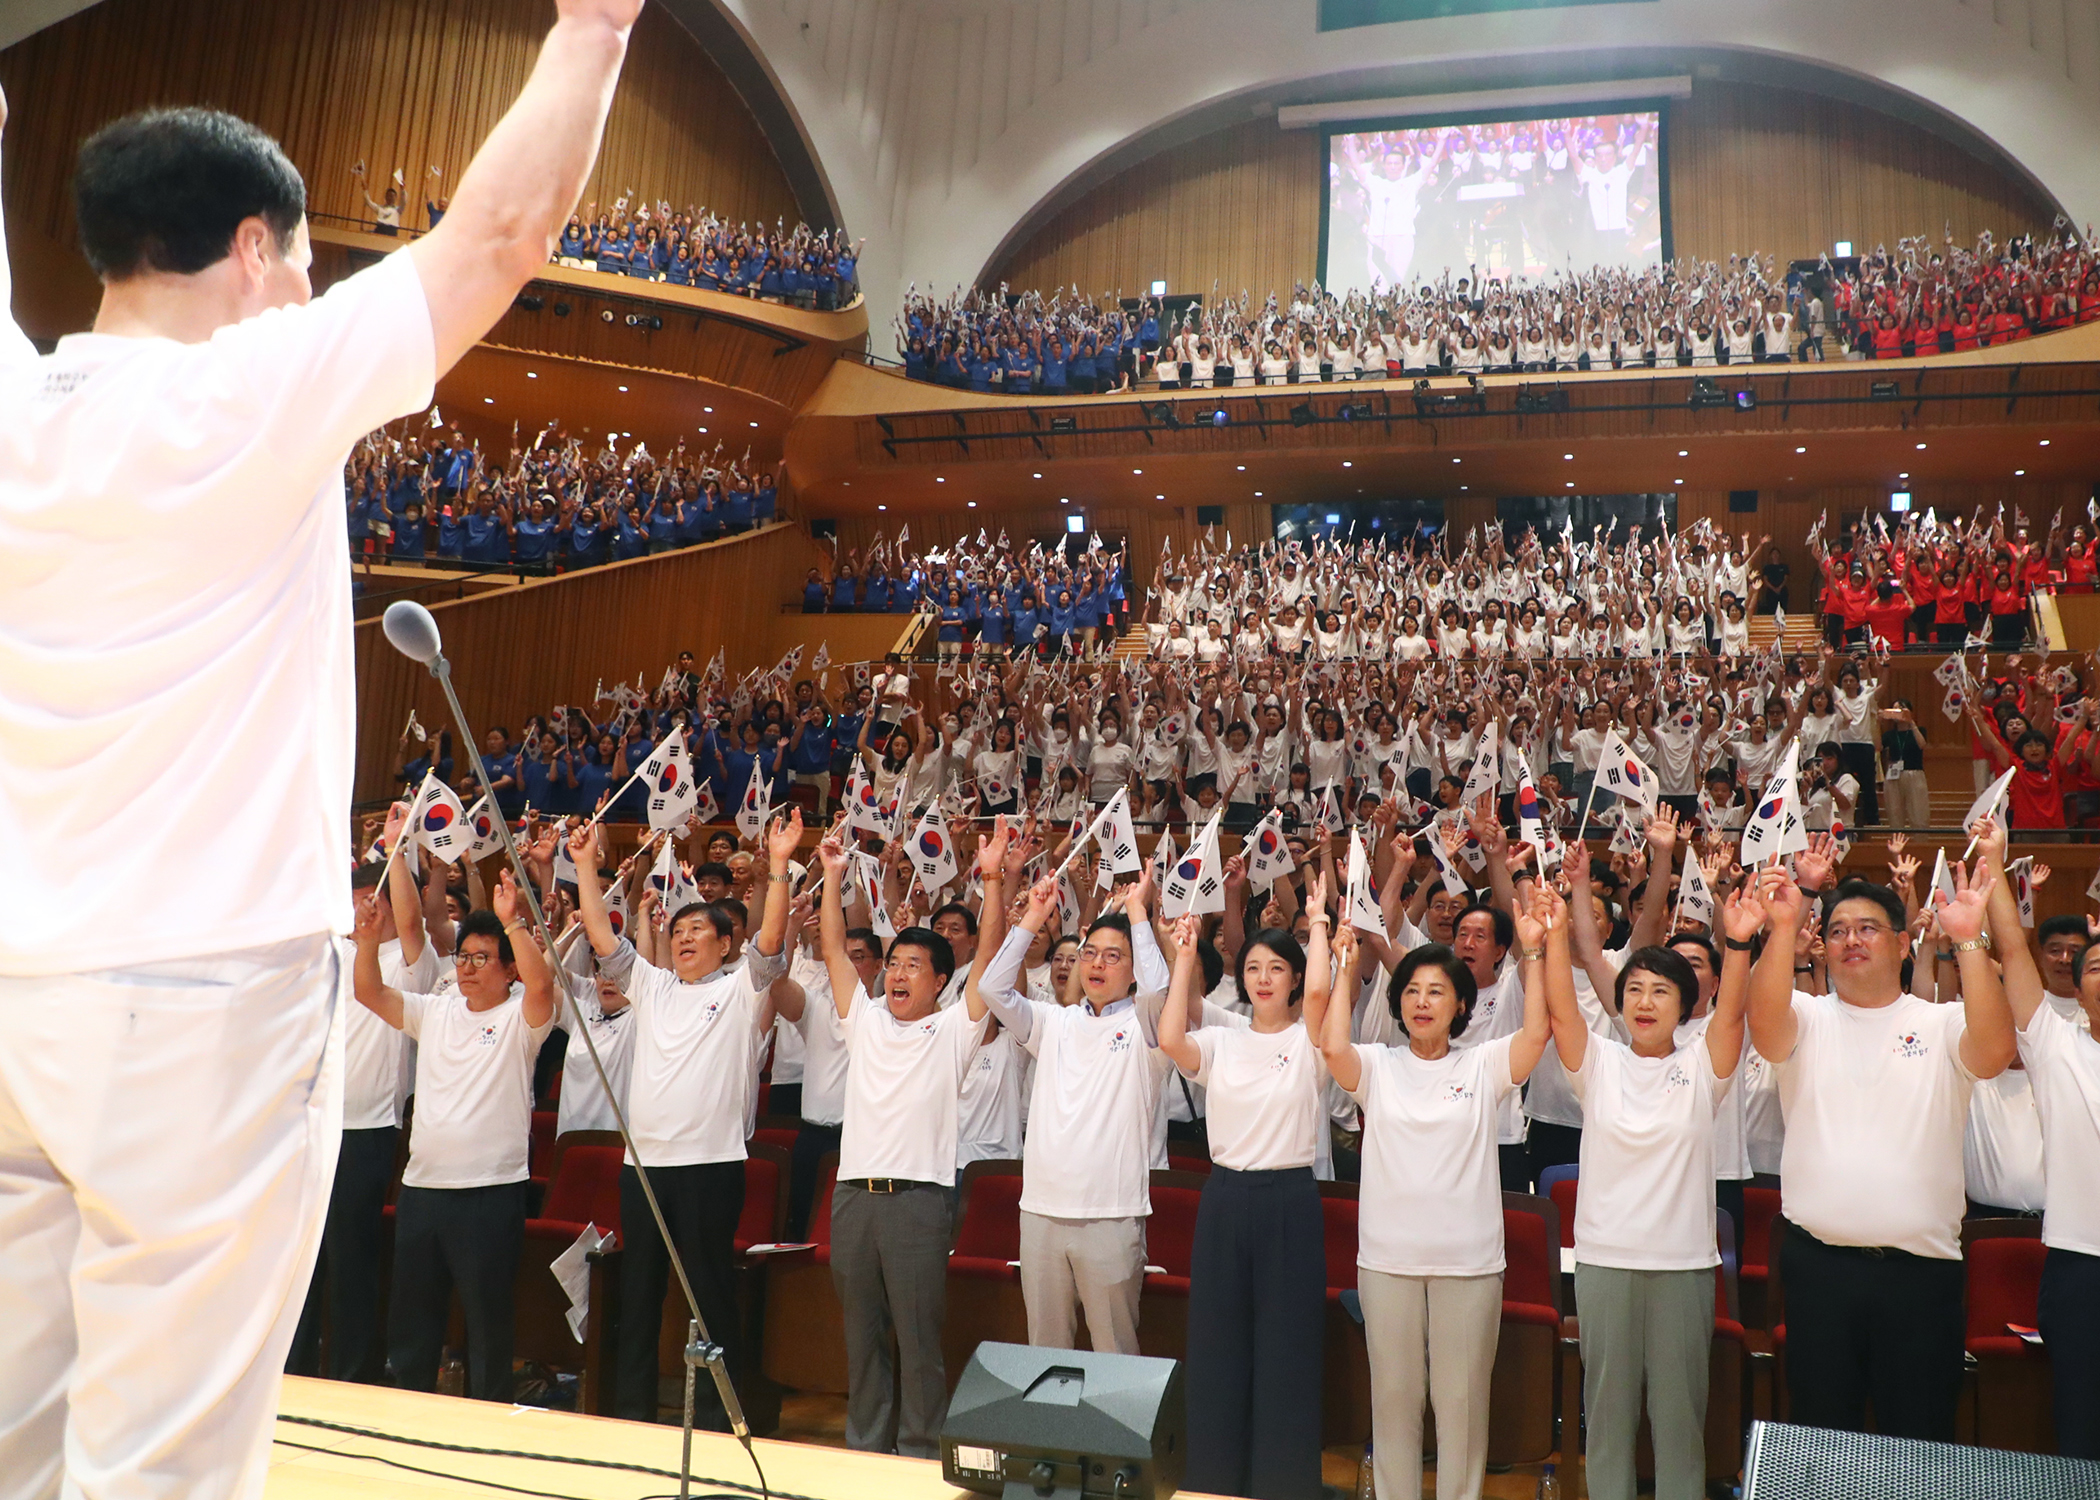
x,y
707,408
1465,486
1039,476
1684,453
1064,499
2018,472
2045,442
1162,497
1347,464
1904,475
1567,455
703,429
1137,471
938,479
1257,494
1456,460
534,375
488,400
1800,450
882,507
754,424
1242,468
1571,484
1677,481
623,388
1921,447
973,505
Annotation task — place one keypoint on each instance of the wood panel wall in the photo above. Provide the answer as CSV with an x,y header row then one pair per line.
x,y
395,83
1751,168
1145,528
521,651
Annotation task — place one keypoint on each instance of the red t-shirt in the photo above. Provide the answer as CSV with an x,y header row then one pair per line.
x,y
2078,566
2008,601
1853,605
1888,618
2037,797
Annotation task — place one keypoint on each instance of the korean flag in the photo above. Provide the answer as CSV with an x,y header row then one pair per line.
x,y
751,812
933,852
1531,823
439,822
1196,883
1268,853
1622,773
1118,836
481,828
668,777
1364,913
1774,827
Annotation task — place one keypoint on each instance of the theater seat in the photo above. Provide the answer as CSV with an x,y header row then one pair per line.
x,y
539,1158
585,1189
2013,1385
984,1288
1346,1363
1760,1304
1523,1395
1170,1239
1563,1192
804,1345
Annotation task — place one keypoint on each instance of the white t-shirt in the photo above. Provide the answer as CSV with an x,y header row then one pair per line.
x,y
824,1056
473,1120
584,1104
1262,1096
375,1055
1876,1102
2001,1150
1647,1199
988,1122
1432,1183
172,555
902,1088
2063,1063
694,1080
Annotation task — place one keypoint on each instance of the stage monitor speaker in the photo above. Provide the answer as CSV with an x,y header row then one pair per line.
x,y
1785,1462
1059,1424
1210,515
1742,502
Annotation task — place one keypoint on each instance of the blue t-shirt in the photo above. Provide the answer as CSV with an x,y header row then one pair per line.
x,y
992,628
1062,618
764,502
529,545
487,542
452,534
538,787
628,541
812,753
736,506
408,538
952,618
877,598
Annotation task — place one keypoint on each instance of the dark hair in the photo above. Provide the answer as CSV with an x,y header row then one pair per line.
x,y
485,923
1440,957
938,948
712,912
1667,964
1701,941
367,875
956,909
714,870
1285,947
2069,925
165,190
1210,958
866,935
1505,924
2034,737
1866,890
735,910
1830,748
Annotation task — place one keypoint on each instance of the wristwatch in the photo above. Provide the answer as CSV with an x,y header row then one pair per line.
x,y
1733,946
1981,940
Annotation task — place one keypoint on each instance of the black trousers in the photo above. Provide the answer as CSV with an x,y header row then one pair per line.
x,y
1257,1309
2070,1323
346,1277
811,1143
1858,761
469,1238
1515,1162
701,1205
1549,1145
1874,1325
1728,1197
784,1099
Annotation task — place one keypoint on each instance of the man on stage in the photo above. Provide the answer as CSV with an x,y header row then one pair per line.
x,y
175,583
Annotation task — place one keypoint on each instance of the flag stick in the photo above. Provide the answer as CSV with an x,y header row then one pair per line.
x,y
1582,829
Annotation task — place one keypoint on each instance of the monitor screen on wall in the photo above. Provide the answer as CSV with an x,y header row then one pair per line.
x,y
1497,198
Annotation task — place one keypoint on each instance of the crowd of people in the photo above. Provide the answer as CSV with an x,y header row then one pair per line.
x,y
802,267
1440,1010
425,493
1917,299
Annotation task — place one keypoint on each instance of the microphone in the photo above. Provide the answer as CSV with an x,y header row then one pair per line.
x,y
412,630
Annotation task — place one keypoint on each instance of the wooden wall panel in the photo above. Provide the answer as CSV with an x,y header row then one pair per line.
x,y
521,651
1146,528
1751,168
407,83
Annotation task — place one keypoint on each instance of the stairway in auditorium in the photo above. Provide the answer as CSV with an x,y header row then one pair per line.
x,y
1130,646
1801,634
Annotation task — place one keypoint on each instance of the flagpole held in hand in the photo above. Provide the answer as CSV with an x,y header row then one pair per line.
x,y
414,633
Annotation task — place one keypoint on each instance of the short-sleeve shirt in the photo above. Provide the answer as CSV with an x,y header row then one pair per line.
x,y
1647,1199
1432,1182
172,555
2063,1063
473,1120
1262,1092
903,1083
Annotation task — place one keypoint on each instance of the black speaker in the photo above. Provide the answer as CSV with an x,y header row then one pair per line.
x,y
1742,502
1210,515
1058,1424
1784,1462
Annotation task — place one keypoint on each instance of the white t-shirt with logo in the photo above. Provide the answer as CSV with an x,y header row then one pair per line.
x,y
1264,1096
1498,1013
693,1082
473,1121
903,1088
584,1104
1876,1101
174,573
824,1057
2063,1063
2001,1150
989,1120
1432,1183
1647,1199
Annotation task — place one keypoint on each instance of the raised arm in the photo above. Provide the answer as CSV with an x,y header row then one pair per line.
x,y
1773,1026
1742,917
525,949
590,901
1988,1044
1546,914
1174,1038
831,918
516,194
372,992
781,840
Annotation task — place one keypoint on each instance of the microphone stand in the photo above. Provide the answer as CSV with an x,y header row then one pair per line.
x,y
700,1348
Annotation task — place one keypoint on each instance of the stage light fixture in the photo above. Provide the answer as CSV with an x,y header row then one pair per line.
x,y
1302,415
606,315
1746,400
531,303
1533,399
561,309
1163,413
1707,392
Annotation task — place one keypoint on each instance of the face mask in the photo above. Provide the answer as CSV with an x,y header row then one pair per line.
x,y
1108,735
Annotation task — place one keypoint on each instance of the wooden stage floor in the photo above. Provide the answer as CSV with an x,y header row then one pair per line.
x,y
346,1467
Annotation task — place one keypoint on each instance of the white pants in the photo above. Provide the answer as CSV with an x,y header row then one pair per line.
x,y
168,1135
1095,1264
1433,1337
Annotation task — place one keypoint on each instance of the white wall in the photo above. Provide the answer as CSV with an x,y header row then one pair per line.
x,y
941,125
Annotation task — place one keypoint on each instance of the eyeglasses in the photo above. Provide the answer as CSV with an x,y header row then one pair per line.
x,y
1866,932
473,962
1102,955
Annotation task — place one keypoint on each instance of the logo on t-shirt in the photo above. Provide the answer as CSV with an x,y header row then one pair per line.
x,y
1676,1078
488,1036
1456,1092
1283,1060
1910,1044
1120,1042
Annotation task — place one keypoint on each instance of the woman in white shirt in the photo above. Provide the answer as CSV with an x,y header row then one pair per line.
x,y
998,772
1429,1226
1645,1246
1258,1267
1409,644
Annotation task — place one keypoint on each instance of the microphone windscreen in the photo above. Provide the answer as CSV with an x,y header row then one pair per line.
x,y
413,631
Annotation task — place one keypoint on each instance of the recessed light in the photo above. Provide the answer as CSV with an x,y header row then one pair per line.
x,y
1684,453
1137,471
1571,484
1677,481
488,400
1921,447
534,375
1039,476
973,505
1242,468
754,424
703,429
1465,486
939,479
2045,442
1458,460
1904,475
1567,455
1159,497
1800,450
623,388
1347,464
1064,499
882,507
2018,472
707,408
1257,494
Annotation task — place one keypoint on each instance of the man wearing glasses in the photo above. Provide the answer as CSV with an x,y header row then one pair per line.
x,y
460,1220
1875,1084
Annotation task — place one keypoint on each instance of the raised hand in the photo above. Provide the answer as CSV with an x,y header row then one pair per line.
x,y
1784,905
992,851
1990,840
366,929
1817,865
1742,914
582,844
1188,931
1662,830
1575,863
1042,897
784,837
504,900
396,815
1531,925
833,854
1961,917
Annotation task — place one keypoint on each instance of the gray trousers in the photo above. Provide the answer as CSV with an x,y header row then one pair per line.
x,y
1653,1324
1432,1336
889,1263
1067,1264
